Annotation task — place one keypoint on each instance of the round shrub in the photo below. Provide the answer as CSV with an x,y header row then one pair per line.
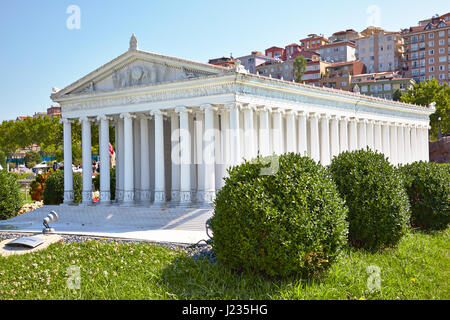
x,y
10,197
54,188
290,222
428,187
377,202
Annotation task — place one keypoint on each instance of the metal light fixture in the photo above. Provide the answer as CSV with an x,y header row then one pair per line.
x,y
51,217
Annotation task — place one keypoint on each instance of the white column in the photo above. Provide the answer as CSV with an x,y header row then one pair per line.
x,y
225,137
209,161
235,141
302,134
137,157
199,128
185,156
401,143
68,174
145,161
120,167
128,155
325,139
334,136
87,160
393,144
175,154
408,155
352,135
362,134
343,134
314,137
278,131
160,176
264,131
105,187
370,135
378,144
249,148
291,140
386,144
414,150
426,143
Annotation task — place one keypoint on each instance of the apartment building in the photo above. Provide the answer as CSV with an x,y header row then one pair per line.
x,y
339,51
339,75
313,41
347,35
223,62
379,50
275,52
381,85
252,61
427,50
280,69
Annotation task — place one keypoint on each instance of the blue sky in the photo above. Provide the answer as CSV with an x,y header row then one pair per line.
x,y
39,52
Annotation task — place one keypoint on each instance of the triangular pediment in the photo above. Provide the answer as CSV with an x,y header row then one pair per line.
x,y
138,68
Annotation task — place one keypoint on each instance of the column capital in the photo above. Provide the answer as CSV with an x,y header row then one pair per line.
x,y
279,110
291,113
127,115
66,120
314,115
264,109
352,119
86,119
158,112
208,107
325,116
182,109
104,117
362,120
250,106
343,118
233,105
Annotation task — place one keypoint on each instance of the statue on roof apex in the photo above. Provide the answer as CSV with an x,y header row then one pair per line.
x,y
133,43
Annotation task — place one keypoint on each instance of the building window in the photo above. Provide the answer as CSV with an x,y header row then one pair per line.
x,y
441,50
431,52
441,42
431,43
431,35
431,69
387,87
442,59
442,68
441,33
364,89
442,77
431,60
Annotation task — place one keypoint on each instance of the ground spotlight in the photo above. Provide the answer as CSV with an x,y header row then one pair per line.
x,y
51,217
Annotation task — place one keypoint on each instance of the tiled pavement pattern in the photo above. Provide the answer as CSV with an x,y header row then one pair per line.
x,y
169,224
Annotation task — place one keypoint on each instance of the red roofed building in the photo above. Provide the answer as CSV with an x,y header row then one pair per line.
x,y
313,41
339,75
427,50
275,52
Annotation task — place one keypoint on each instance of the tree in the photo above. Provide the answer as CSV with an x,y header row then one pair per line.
x,y
397,95
424,94
299,68
32,158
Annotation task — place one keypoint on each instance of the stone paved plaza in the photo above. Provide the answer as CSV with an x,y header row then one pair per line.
x,y
180,225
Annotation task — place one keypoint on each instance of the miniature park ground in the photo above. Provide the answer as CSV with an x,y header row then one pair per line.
x,y
418,269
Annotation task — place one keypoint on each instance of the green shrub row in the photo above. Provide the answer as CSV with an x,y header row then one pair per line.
x,y
11,199
296,220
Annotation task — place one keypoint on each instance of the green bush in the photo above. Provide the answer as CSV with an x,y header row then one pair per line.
x,y
377,202
10,196
289,223
54,188
428,187
32,158
112,180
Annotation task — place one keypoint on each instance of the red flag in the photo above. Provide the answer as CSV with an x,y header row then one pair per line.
x,y
111,150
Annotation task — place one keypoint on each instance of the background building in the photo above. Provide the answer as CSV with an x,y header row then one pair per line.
x,y
340,51
223,62
381,85
379,50
347,35
253,60
427,49
339,75
313,41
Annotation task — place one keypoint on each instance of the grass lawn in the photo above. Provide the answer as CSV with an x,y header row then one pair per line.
x,y
418,269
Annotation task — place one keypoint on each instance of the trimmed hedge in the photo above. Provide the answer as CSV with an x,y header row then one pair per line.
x,y
289,223
54,188
373,191
428,187
11,199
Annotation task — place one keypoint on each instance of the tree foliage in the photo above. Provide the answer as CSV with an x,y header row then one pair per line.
x,y
299,68
427,92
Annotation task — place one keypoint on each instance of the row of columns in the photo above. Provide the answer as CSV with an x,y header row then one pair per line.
x,y
221,137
